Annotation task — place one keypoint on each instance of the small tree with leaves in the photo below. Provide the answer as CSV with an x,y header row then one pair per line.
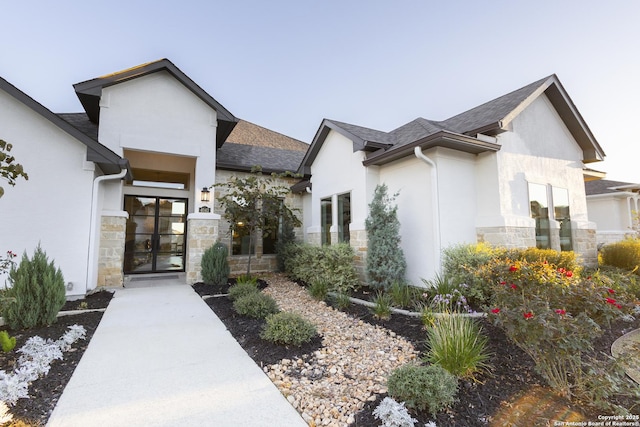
x,y
9,169
257,202
386,264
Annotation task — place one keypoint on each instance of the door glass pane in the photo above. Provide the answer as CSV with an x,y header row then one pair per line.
x,y
169,262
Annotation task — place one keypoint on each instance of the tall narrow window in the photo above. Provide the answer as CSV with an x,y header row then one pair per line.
x,y
326,221
539,204
344,217
561,214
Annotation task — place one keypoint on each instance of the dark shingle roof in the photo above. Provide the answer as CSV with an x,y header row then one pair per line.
x,y
81,122
605,186
491,112
243,157
366,134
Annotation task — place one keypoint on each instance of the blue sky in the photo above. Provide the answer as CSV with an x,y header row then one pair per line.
x,y
286,65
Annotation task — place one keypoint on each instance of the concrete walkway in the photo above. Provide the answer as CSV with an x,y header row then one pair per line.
x,y
160,357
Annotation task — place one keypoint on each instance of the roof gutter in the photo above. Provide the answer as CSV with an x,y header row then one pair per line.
x,y
435,203
93,233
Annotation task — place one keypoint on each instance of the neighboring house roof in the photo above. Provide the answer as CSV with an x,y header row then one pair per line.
x,y
106,159
605,186
461,131
81,122
89,93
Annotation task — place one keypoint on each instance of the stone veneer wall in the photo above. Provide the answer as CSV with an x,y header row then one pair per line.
x,y
201,235
359,244
585,245
259,262
509,237
111,251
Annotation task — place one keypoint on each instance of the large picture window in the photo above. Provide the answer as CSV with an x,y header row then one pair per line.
x,y
326,220
542,211
344,217
562,215
539,205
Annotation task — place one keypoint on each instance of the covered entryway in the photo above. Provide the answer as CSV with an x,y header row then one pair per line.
x,y
155,235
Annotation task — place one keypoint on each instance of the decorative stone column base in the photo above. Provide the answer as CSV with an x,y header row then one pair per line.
x,y
508,237
202,233
111,251
358,241
585,246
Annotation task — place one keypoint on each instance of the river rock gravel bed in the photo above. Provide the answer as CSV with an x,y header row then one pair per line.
x,y
351,368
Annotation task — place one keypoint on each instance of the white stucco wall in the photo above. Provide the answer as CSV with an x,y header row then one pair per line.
x,y
53,207
157,114
613,214
539,149
338,170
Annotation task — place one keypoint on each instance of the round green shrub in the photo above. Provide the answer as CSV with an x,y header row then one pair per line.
x,y
288,329
428,388
241,289
256,305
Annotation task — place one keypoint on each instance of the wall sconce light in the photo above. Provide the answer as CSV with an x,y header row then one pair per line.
x,y
205,195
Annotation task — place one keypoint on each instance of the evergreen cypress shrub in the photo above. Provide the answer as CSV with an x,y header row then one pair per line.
x,y
215,269
385,259
39,292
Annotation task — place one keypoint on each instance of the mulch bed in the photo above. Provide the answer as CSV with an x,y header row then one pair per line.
x,y
478,403
45,392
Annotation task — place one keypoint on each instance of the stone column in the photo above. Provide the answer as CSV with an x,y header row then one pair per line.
x,y
585,243
202,233
111,250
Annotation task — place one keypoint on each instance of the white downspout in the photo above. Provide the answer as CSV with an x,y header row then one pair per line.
x,y
92,224
435,203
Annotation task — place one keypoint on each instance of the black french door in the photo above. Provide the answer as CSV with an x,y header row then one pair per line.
x,y
156,234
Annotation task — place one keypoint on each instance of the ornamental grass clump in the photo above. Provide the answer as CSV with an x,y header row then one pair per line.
x,y
318,289
256,305
288,329
381,306
624,254
456,343
426,388
37,290
552,314
215,269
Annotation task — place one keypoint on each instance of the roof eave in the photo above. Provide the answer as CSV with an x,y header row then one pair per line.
x,y
440,139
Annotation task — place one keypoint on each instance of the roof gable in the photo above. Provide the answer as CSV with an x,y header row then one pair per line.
x,y
461,132
108,161
90,91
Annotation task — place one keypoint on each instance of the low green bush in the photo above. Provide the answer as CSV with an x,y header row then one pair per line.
x,y
241,289
331,264
256,304
624,254
7,342
427,388
456,343
288,329
215,269
38,290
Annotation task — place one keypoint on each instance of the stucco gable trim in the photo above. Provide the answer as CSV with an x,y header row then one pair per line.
x,y
108,161
559,98
320,137
89,93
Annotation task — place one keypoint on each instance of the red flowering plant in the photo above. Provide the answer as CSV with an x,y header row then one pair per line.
x,y
552,315
7,262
